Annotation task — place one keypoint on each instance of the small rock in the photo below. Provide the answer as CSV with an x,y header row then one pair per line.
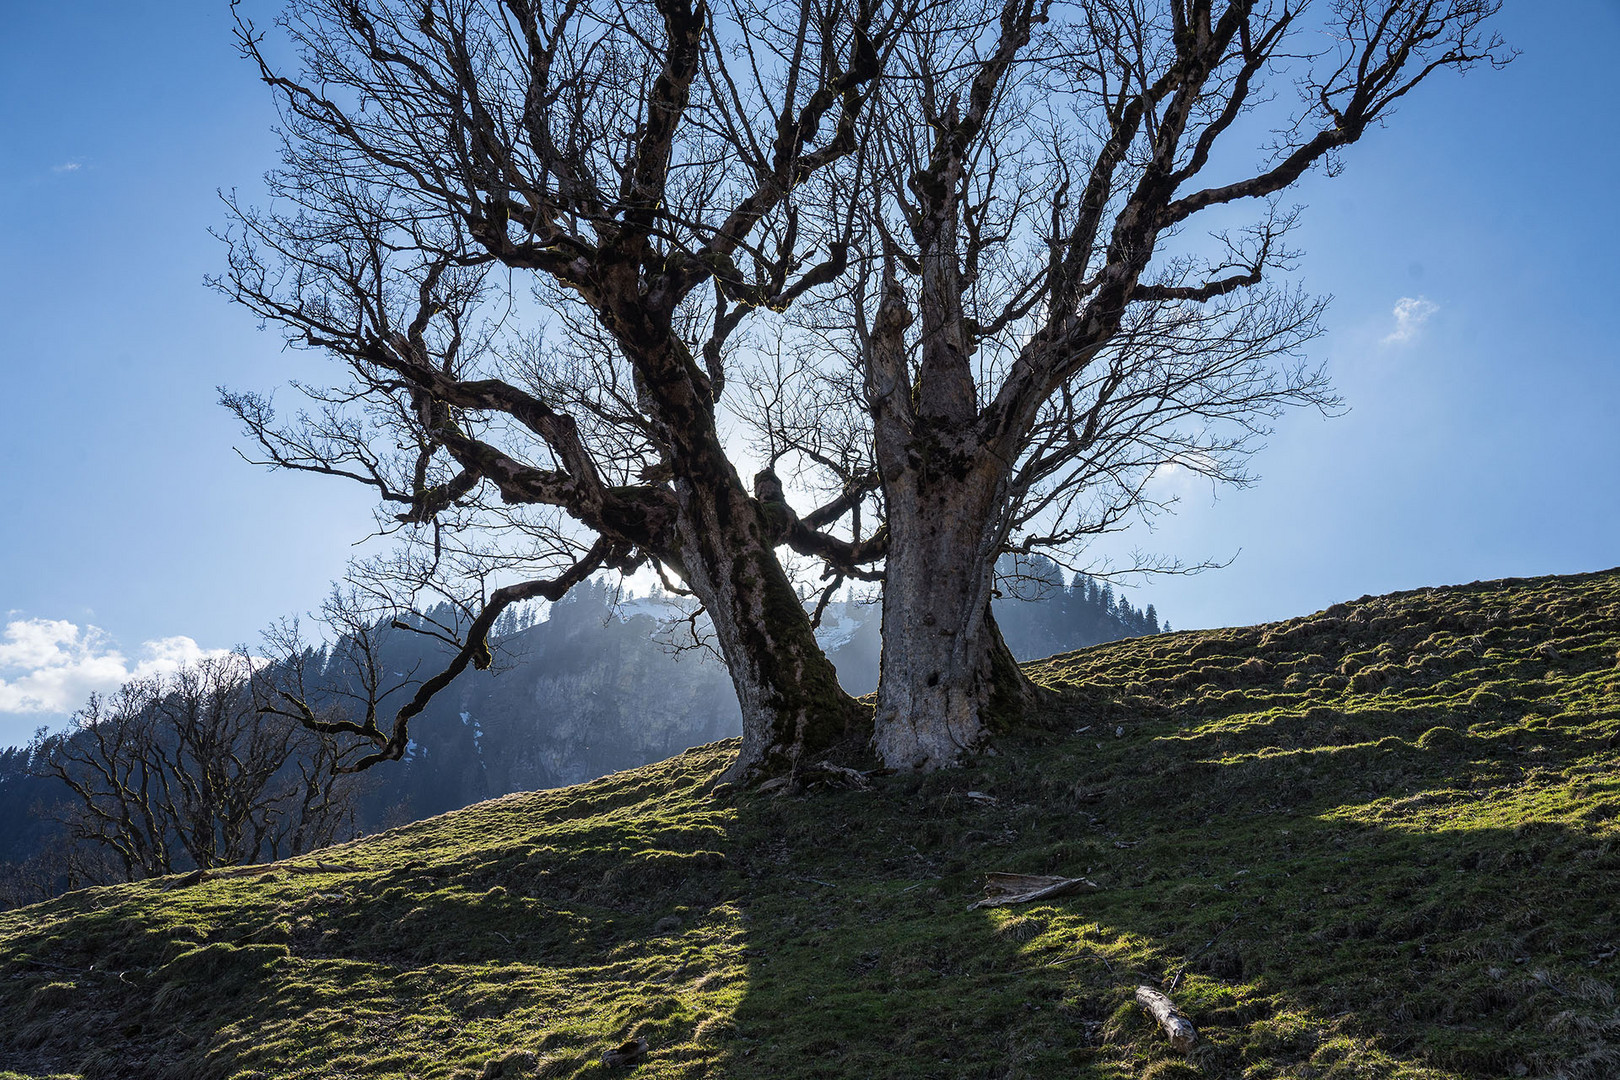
x,y
667,925
629,1053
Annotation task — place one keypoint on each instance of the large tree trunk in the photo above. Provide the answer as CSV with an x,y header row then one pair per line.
x,y
793,708
947,678
945,666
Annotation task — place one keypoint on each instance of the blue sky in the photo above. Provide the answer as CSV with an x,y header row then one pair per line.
x,y
1480,442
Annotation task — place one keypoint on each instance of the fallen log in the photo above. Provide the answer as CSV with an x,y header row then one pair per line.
x,y
1001,889
260,870
1177,1028
320,867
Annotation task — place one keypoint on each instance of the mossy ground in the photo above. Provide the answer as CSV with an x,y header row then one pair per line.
x,y
1377,842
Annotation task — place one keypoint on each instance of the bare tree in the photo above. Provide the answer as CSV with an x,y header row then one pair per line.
x,y
530,231
940,247
1036,336
188,771
55,870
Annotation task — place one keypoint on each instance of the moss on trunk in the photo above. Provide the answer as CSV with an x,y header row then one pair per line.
x,y
1012,697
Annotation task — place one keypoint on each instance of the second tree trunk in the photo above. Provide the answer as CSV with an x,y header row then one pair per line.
x,y
946,676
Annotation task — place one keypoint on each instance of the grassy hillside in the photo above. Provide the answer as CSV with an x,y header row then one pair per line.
x,y
1376,842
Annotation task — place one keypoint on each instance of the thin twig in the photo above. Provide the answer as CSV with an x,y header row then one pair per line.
x,y
1082,956
1200,952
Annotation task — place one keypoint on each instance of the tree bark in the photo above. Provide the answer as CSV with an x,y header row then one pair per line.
x,y
1178,1029
1012,695
793,708
946,675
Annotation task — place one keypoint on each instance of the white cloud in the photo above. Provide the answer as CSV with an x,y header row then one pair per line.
x,y
67,167
53,666
1411,312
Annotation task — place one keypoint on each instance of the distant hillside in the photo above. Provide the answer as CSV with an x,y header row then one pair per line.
x,y
1381,841
595,687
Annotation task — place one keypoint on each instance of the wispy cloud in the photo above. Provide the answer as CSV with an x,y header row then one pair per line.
x,y
67,167
53,666
1411,312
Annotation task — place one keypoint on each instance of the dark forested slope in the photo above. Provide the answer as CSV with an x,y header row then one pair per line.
x,y
600,684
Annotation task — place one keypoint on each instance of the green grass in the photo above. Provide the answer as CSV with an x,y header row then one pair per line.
x,y
1376,842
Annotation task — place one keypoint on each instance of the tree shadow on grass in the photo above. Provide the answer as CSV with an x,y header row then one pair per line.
x,y
1328,912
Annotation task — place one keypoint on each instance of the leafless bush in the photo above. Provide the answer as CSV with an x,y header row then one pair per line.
x,y
191,771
